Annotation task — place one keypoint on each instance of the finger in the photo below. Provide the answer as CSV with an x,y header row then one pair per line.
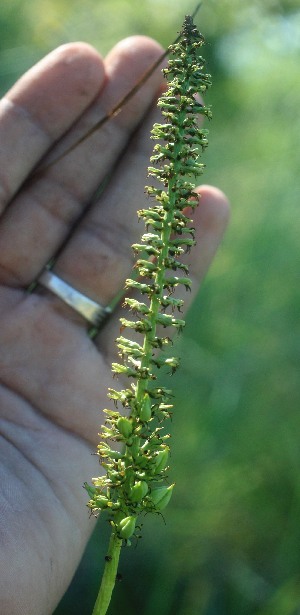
x,y
210,221
211,218
44,213
41,106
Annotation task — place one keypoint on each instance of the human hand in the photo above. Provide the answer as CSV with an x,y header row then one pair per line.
x,y
54,378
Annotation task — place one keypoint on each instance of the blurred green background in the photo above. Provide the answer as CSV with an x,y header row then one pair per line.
x,y
231,545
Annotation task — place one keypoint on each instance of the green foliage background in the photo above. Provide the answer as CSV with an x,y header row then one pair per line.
x,y
232,541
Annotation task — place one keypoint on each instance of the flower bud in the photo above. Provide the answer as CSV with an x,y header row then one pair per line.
x,y
164,319
135,447
101,501
145,410
138,491
172,362
126,527
124,426
103,451
161,460
118,368
91,491
161,496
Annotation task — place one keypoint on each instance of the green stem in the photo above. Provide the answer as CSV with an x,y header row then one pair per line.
x,y
109,576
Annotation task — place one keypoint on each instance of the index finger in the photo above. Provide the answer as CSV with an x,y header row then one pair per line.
x,y
42,106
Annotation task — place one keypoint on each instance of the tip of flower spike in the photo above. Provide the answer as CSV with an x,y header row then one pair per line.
x,y
190,30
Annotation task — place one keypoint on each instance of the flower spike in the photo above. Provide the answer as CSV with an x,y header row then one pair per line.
x,y
136,479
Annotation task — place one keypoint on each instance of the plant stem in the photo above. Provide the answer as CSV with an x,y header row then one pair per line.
x,y
109,576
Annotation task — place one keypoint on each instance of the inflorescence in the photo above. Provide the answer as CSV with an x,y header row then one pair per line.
x,y
136,479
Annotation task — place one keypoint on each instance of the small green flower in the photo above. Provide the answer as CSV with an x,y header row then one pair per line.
x,y
138,491
124,426
145,410
160,460
161,496
126,527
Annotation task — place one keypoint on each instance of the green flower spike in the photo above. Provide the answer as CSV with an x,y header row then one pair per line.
x,y
136,479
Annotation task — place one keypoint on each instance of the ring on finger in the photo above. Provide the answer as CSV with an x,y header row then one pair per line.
x,y
90,310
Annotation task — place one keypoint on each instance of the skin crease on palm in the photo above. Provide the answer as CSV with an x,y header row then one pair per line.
x,y
53,378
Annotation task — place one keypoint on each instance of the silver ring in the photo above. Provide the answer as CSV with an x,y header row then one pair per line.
x,y
92,311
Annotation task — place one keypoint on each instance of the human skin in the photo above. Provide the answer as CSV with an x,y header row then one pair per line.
x,y
53,377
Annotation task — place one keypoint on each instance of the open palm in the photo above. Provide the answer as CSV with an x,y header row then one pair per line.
x,y
53,377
